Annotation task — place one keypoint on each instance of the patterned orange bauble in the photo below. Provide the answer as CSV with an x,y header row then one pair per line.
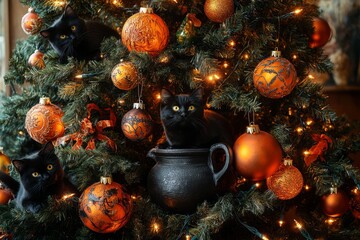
x,y
5,196
104,206
145,32
5,162
275,77
286,182
43,121
124,76
31,22
336,203
257,154
219,10
137,123
37,60
321,34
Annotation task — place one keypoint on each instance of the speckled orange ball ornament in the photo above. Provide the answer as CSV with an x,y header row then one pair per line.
x,y
43,121
104,206
321,34
5,162
287,181
257,154
124,76
336,203
145,32
37,60
31,22
275,77
219,10
137,123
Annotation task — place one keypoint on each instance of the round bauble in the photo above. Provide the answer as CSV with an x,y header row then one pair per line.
x,y
219,10
5,196
321,34
257,154
31,22
43,121
286,182
335,204
124,76
5,162
37,60
137,123
355,205
105,207
275,77
145,32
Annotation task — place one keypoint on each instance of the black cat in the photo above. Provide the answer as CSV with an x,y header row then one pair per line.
x,y
188,125
41,175
71,36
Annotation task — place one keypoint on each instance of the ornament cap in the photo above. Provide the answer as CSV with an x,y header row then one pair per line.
x,y
45,101
276,53
253,129
288,161
105,180
146,10
1,150
31,10
333,190
139,105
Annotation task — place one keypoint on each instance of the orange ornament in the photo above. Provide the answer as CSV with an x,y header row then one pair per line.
x,y
286,182
137,123
124,76
219,10
43,121
336,203
321,34
104,206
275,77
145,32
37,60
257,154
355,205
5,195
31,22
4,161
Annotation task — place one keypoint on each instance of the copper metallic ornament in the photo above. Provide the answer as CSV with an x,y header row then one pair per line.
x,y
105,207
145,32
322,33
37,60
257,154
31,22
5,162
124,76
335,204
355,205
5,195
287,182
137,123
43,121
275,77
219,10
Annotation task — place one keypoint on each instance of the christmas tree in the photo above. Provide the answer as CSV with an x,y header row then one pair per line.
x,y
250,58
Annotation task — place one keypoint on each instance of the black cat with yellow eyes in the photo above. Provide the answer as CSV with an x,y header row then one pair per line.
x,y
71,36
187,125
41,175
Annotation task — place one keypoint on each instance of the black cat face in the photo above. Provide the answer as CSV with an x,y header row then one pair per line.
x,y
39,170
180,109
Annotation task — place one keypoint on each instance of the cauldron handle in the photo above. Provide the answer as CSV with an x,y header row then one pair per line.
x,y
151,154
228,155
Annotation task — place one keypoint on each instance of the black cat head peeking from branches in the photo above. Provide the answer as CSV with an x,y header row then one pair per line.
x,y
71,36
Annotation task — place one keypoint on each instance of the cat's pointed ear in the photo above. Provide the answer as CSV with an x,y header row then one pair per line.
x,y
45,33
48,148
19,165
69,11
198,93
165,94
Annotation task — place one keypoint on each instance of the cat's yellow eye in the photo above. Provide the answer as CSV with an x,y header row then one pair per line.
x,y
49,167
63,36
73,28
191,108
35,174
176,108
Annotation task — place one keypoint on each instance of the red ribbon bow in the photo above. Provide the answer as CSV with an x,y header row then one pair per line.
x,y
318,149
87,129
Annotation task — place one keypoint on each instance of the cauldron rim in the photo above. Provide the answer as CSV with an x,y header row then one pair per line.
x,y
181,151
